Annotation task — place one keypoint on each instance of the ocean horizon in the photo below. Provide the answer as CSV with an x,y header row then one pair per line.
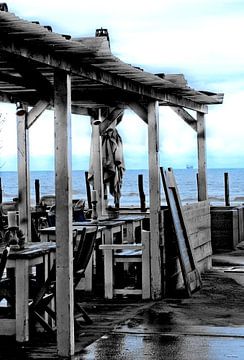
x,y
186,181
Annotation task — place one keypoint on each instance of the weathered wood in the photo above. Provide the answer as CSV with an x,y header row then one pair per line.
x,y
201,147
141,193
23,177
1,191
200,239
35,112
63,185
140,110
88,190
22,305
115,114
185,116
155,210
190,273
227,190
106,78
146,274
37,191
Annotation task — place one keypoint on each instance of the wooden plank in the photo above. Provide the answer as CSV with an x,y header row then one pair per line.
x,y
108,273
199,238
36,111
22,296
115,114
185,116
139,110
155,209
201,147
198,224
64,239
146,273
23,177
190,273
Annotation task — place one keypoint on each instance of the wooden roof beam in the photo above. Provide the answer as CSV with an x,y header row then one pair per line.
x,y
101,76
185,116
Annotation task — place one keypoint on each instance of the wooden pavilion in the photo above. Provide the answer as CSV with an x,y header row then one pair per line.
x,y
39,70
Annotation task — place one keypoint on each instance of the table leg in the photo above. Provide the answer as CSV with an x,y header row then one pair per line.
x,y
22,298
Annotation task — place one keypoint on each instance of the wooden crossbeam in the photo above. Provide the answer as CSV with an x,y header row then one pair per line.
x,y
185,116
36,111
140,110
115,114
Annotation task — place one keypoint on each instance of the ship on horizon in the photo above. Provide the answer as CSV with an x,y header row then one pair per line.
x,y
189,166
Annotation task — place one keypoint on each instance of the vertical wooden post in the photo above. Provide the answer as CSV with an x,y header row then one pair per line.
x,y
63,181
88,191
201,146
37,191
1,191
154,186
23,176
227,191
97,166
141,192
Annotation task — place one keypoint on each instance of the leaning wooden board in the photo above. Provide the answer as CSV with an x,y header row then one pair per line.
x,y
191,276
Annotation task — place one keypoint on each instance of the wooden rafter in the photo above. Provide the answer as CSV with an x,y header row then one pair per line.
x,y
185,116
140,110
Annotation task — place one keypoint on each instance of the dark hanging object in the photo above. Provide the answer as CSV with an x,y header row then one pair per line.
x,y
3,7
48,27
67,37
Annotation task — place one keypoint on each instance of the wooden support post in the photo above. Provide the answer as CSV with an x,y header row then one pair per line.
x,y
64,251
155,213
88,191
227,190
1,191
37,191
23,176
141,192
97,166
201,145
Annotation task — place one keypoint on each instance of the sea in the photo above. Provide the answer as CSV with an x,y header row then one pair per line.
x,y
186,180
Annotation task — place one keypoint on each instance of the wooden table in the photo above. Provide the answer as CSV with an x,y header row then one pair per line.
x,y
112,230
32,255
49,233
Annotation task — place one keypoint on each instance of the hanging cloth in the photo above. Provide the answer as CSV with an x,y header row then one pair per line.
x,y
113,162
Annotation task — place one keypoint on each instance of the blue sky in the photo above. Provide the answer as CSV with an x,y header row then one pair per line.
x,y
200,38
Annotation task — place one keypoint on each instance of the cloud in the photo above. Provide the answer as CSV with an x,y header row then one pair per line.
x,y
200,39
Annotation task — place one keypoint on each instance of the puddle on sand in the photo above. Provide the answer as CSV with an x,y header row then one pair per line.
x,y
167,347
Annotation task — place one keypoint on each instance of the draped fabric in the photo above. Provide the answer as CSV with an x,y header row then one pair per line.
x,y
112,162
